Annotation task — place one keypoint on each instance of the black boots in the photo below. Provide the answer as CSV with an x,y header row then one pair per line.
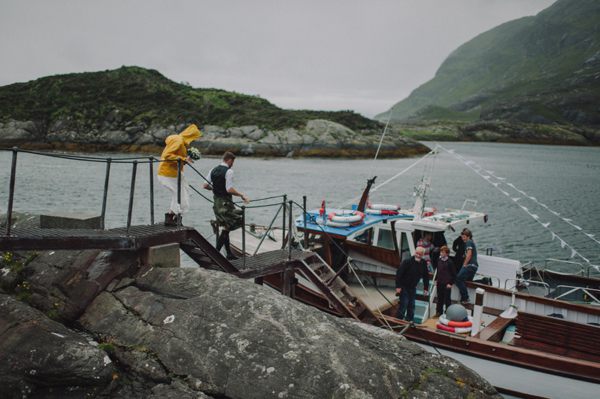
x,y
171,220
224,240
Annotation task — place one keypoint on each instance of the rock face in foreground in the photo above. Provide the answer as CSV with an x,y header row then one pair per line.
x,y
195,333
320,138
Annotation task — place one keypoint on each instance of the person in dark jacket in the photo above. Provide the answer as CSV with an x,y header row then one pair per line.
x,y
407,277
458,246
446,276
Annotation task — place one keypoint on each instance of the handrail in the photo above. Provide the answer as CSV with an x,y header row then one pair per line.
x,y
595,267
490,277
465,204
567,262
105,197
432,295
573,289
526,284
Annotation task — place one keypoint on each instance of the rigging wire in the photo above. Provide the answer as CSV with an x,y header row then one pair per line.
x,y
379,146
353,200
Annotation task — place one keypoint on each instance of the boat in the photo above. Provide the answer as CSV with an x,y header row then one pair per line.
x,y
521,323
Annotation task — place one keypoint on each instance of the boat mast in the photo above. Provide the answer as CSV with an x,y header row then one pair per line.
x,y
421,191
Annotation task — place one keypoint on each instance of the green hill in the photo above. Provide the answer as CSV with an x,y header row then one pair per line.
x,y
541,69
143,95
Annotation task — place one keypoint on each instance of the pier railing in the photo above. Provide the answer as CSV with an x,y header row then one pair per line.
x,y
134,161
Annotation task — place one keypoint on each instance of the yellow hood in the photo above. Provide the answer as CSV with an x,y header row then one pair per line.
x,y
175,149
190,134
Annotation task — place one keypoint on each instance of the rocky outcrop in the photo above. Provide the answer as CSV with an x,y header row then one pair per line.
x,y
320,138
195,333
497,131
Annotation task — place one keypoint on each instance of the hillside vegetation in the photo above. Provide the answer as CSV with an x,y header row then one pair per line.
x,y
543,69
144,95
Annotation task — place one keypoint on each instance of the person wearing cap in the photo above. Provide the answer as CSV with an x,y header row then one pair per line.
x,y
220,182
175,150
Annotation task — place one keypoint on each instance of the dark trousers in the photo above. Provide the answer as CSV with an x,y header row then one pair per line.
x,y
407,303
465,274
443,295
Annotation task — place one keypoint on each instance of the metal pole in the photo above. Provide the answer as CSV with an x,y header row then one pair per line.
x,y
290,233
179,192
11,194
305,215
151,190
283,228
104,199
268,229
243,236
133,174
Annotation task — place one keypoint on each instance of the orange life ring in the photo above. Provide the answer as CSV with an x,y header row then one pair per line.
x,y
459,330
443,320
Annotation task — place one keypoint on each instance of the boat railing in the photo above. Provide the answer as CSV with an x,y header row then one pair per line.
x,y
527,284
469,201
565,262
572,293
491,278
590,267
432,296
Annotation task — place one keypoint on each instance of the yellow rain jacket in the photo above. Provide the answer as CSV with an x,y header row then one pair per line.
x,y
175,149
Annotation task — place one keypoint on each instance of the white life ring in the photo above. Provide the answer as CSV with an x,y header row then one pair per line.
x,y
346,216
343,224
381,212
383,207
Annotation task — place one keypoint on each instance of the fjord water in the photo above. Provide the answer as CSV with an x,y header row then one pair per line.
x,y
546,179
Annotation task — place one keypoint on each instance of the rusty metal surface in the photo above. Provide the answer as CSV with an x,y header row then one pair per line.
x,y
272,258
115,239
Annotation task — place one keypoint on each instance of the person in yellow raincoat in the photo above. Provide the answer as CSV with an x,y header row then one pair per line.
x,y
167,171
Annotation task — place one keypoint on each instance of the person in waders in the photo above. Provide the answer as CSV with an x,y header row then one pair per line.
x,y
220,182
167,171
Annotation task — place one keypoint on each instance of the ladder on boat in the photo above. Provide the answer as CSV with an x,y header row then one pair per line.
x,y
339,295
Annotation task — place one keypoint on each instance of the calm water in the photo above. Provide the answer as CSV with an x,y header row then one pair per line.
x,y
564,179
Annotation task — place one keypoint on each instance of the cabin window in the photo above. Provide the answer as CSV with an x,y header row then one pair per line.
x,y
404,247
384,239
364,236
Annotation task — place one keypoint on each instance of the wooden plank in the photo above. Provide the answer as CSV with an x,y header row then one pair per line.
x,y
495,330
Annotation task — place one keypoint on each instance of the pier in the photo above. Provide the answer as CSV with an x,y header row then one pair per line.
x,y
277,268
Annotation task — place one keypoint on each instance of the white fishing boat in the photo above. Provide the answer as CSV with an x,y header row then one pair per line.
x,y
517,321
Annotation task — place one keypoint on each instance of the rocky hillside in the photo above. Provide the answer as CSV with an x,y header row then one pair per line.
x,y
133,109
543,69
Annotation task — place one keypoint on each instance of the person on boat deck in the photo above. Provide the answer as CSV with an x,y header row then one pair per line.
x,y
407,277
220,182
469,268
446,276
458,246
428,246
167,171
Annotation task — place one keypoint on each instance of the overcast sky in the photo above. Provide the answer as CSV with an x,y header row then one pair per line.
x,y
362,55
